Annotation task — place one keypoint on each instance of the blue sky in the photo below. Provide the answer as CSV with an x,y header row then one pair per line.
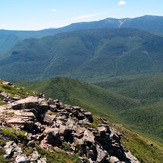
x,y
41,14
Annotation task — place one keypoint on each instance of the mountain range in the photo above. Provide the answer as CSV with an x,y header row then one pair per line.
x,y
87,55
9,38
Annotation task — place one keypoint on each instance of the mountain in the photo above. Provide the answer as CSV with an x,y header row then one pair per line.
x,y
144,118
9,38
147,22
35,128
25,118
86,95
144,149
88,55
148,90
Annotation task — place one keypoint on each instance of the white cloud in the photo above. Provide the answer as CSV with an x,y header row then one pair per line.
x,y
85,16
53,10
122,3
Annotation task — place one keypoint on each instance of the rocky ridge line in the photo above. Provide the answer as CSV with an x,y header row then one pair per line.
x,y
57,125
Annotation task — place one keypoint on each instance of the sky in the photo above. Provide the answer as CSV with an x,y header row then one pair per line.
x,y
43,14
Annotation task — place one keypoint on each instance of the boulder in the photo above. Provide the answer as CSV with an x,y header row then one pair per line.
x,y
80,115
24,113
16,98
27,122
53,136
131,158
101,154
84,122
34,156
22,158
77,108
31,144
88,115
70,124
48,119
62,130
53,107
114,159
88,136
78,132
6,83
43,103
42,160
4,94
102,130
11,148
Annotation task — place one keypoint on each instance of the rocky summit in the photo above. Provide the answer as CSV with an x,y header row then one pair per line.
x,y
40,129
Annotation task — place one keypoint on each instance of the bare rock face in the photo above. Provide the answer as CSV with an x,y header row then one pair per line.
x,y
53,124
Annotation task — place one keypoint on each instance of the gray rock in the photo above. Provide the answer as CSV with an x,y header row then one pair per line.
x,y
70,124
53,137
22,158
17,150
62,130
132,158
84,122
80,116
26,122
43,102
101,154
53,107
16,97
31,144
102,131
48,119
42,160
88,136
89,116
10,148
35,156
24,113
4,94
8,152
77,108
6,83
114,159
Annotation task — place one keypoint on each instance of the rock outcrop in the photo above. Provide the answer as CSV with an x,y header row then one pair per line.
x,y
63,127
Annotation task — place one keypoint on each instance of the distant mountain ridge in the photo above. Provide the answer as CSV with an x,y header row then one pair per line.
x,y
9,38
87,55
